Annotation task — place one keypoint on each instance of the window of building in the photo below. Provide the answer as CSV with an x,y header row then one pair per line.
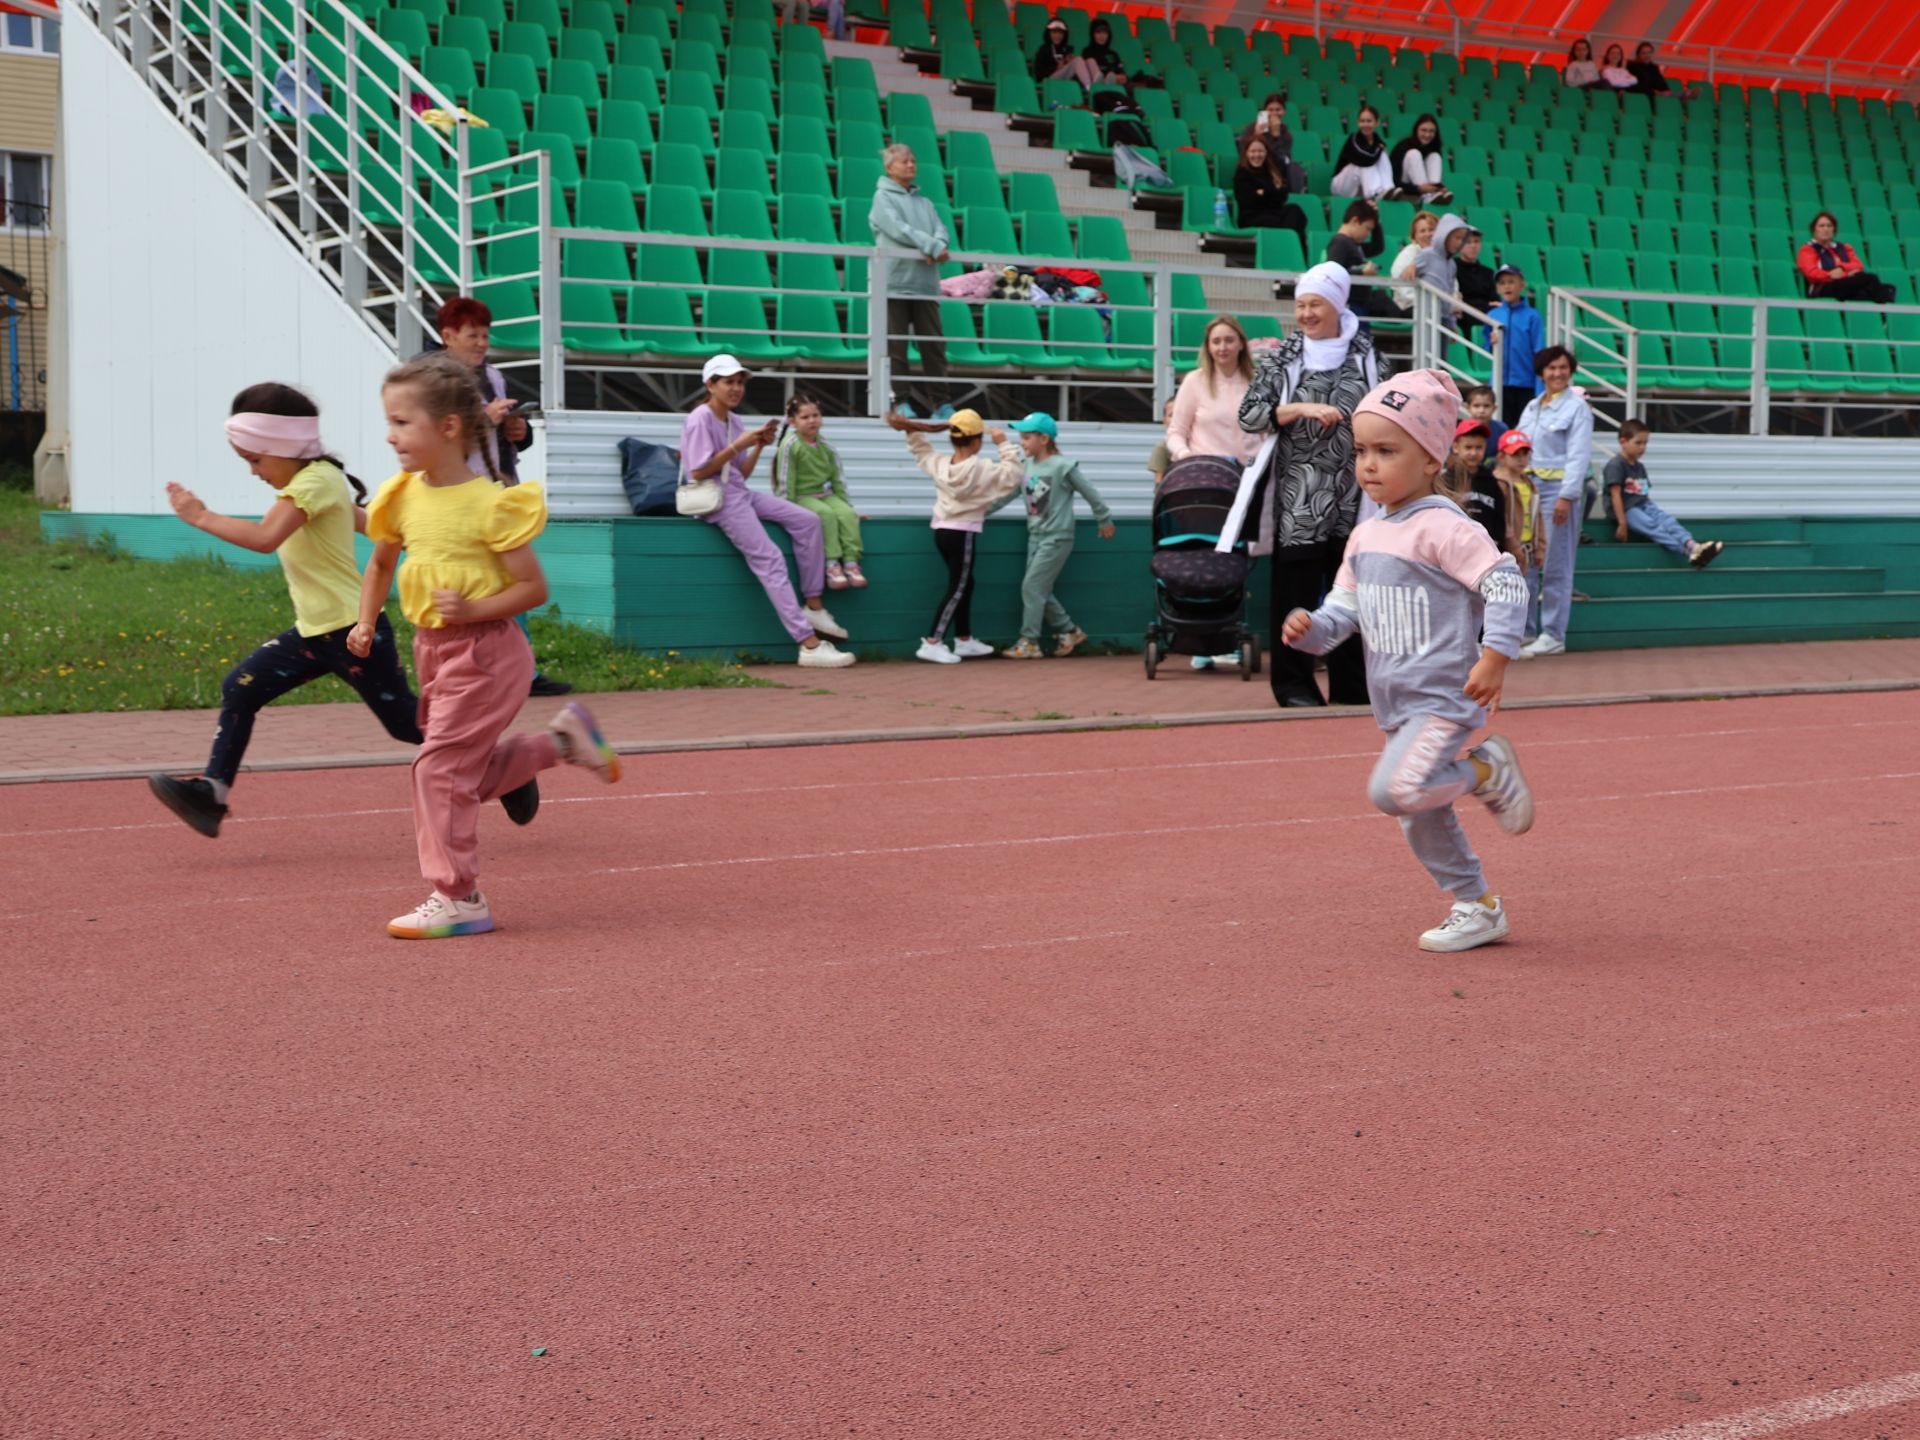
x,y
26,183
30,33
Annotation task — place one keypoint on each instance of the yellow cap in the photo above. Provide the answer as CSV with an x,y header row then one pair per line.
x,y
966,422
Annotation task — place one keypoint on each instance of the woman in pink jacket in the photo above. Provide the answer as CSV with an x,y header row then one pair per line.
x,y
1206,411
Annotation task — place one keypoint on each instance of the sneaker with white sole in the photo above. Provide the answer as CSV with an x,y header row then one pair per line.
x,y
1505,790
836,576
1071,641
1203,662
825,656
1543,644
854,577
584,746
1705,553
969,648
935,652
1024,649
1468,926
824,624
439,918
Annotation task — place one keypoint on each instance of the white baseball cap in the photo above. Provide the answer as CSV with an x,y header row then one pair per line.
x,y
721,366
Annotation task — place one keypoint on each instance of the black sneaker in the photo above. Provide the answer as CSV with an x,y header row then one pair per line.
x,y
523,804
547,685
192,800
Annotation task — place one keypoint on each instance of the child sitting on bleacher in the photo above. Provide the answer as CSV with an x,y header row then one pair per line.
x,y
811,470
1633,509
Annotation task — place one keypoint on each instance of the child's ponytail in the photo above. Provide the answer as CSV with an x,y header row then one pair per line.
x,y
446,387
272,398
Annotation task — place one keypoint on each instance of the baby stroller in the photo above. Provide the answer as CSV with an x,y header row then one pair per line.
x,y
1199,595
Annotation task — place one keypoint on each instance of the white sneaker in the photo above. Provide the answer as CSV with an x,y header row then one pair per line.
x,y
824,656
585,747
1505,792
937,652
1467,926
1543,644
824,624
439,918
971,649
1203,662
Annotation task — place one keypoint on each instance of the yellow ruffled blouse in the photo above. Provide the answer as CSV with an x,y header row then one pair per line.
x,y
453,536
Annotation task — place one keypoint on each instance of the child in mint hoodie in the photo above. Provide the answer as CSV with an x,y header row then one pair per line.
x,y
1049,487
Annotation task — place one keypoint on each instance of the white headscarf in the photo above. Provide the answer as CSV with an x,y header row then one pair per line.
x,y
1331,283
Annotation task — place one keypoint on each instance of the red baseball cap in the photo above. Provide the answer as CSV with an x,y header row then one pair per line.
x,y
1514,440
1467,427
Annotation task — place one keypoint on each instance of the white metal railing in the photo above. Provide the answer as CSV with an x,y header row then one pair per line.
x,y
313,114
1863,356
1550,43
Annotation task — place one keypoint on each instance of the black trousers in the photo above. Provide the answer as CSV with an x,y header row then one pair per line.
x,y
922,317
289,661
957,548
1513,400
1864,286
1299,580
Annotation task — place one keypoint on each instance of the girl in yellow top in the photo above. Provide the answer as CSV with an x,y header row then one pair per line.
x,y
310,527
470,569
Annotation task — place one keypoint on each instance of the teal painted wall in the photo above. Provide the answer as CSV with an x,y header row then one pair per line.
x,y
674,584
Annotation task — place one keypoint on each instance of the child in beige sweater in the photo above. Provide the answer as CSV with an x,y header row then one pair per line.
x,y
967,484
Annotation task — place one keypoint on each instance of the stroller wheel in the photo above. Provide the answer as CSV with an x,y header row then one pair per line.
x,y
1152,655
1249,659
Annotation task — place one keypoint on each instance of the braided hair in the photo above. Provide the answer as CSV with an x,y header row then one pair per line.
x,y
272,398
801,399
446,387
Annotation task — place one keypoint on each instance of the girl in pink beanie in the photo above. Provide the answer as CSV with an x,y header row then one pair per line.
x,y
1421,584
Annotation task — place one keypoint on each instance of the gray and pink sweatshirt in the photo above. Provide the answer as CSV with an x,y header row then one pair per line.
x,y
1420,585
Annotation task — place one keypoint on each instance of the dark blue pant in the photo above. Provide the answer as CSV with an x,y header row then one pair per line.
x,y
289,661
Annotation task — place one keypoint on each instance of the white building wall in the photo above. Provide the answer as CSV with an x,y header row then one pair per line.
x,y
181,295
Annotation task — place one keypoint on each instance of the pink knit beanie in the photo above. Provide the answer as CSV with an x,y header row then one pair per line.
x,y
1424,403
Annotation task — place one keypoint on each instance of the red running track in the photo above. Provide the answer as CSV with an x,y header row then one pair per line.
x,y
1058,1086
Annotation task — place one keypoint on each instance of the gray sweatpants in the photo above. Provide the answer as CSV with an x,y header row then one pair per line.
x,y
1419,776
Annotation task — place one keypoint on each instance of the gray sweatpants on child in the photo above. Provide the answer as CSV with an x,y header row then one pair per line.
x,y
1419,776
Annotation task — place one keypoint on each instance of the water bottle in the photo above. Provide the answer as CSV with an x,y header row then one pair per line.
x,y
1220,209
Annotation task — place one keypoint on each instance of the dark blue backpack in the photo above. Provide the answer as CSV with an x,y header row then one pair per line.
x,y
649,474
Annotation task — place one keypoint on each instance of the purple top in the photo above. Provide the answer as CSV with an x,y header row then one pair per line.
x,y
705,436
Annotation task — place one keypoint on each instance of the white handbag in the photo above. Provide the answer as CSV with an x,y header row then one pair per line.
x,y
697,497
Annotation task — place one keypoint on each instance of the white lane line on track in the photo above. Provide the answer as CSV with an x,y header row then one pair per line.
x,y
629,797
1792,1414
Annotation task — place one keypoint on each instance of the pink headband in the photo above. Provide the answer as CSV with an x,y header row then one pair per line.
x,y
291,437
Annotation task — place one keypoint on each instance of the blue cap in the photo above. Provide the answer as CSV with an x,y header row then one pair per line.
x,y
1039,422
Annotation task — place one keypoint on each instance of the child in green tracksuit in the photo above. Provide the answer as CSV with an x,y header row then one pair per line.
x,y
811,469
1051,480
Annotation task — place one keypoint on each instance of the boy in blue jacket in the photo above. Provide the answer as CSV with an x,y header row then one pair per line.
x,y
1526,332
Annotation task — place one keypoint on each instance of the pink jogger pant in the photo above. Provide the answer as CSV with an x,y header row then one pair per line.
x,y
473,680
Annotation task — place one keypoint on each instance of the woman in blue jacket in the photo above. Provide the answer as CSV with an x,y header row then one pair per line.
x,y
1560,423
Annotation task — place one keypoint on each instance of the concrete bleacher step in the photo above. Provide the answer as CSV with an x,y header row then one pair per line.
x,y
1609,554
1624,623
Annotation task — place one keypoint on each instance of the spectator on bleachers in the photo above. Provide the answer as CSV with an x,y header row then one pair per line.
x,y
1524,330
904,218
1435,264
1614,73
1406,264
1261,197
1271,126
712,443
466,333
1581,72
1353,246
1363,166
1306,391
1206,409
1475,279
1055,60
1560,424
1417,163
1833,270
1647,77
1481,403
1108,69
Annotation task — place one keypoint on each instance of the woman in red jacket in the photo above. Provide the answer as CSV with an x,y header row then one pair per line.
x,y
1833,271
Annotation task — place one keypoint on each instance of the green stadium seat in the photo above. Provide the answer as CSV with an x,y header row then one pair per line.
x,y
618,161
404,30
680,166
977,189
1278,250
1104,237
674,209
660,322
491,13
807,218
742,214
562,157
508,71
564,115
1013,329
811,325
802,136
988,232
588,47
736,321
746,130
1077,130
516,315
642,50
634,84
963,342
501,109
804,175
861,138
1032,190
1044,235
1016,95
451,71
522,37
687,125
627,120
749,63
